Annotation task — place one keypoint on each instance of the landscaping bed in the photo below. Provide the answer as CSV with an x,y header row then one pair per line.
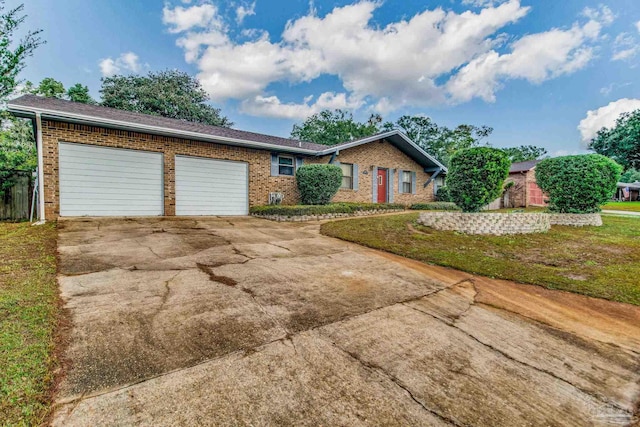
x,y
319,212
30,314
601,262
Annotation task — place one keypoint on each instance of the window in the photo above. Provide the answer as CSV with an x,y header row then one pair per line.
x,y
347,175
406,182
285,165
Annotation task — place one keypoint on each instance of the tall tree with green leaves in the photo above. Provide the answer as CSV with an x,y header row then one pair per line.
x,y
80,93
48,87
169,93
330,127
524,153
439,141
13,54
620,142
17,151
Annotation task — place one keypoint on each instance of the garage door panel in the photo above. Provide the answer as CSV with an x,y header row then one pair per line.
x,y
211,187
101,181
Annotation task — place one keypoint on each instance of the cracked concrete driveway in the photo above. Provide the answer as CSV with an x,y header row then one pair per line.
x,y
249,322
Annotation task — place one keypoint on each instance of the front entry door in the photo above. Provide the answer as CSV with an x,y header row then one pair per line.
x,y
382,186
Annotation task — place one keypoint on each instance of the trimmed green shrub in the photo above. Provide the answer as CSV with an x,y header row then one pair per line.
x,y
476,176
435,206
442,195
318,183
299,210
578,184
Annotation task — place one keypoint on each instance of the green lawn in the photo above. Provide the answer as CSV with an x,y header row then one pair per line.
x,y
623,206
29,316
602,262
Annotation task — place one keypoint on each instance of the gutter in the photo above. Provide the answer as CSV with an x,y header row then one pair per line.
x,y
118,124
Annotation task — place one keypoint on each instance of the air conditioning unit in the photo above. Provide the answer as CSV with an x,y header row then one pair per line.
x,y
275,198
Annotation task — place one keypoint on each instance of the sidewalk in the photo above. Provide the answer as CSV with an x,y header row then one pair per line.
x,y
626,213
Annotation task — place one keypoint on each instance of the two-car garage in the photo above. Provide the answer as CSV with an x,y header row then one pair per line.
x,y
104,181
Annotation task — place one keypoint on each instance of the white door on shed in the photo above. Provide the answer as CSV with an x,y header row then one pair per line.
x,y
211,187
101,181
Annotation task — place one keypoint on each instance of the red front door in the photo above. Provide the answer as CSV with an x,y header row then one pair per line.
x,y
382,186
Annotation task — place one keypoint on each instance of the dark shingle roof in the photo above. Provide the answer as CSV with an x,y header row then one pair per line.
x,y
523,166
106,113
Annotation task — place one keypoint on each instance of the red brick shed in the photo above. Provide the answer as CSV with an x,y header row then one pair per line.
x,y
525,191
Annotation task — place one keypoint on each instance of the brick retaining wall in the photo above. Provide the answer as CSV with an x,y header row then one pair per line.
x,y
487,223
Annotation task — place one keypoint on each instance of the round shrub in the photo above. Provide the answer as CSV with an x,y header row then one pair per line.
x,y
318,183
442,195
578,184
476,176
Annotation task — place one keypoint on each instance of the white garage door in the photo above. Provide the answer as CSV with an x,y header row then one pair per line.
x,y
211,187
99,181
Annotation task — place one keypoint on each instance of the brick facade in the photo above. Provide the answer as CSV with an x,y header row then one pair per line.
x,y
520,195
381,154
261,183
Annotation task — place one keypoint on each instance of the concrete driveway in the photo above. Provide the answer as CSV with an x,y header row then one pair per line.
x,y
249,322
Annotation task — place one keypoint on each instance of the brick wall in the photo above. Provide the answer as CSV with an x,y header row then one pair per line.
x,y
381,154
261,183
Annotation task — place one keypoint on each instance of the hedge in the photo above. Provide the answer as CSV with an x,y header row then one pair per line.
x,y
299,210
435,206
578,184
442,195
476,176
318,183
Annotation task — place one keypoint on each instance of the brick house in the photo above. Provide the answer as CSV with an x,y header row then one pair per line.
x,y
99,161
525,191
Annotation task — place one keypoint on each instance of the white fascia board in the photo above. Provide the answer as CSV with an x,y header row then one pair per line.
x,y
95,121
382,136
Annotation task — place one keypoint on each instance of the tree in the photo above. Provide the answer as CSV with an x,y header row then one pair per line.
x,y
17,151
622,141
318,183
439,141
578,184
80,93
12,57
48,87
169,93
630,175
476,177
524,153
333,127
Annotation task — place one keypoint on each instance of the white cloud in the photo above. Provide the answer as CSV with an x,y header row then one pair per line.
x,y
638,26
603,14
605,117
401,64
127,61
188,18
482,3
625,46
243,11
271,106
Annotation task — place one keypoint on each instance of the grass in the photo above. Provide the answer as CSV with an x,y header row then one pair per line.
x,y
602,262
30,312
623,206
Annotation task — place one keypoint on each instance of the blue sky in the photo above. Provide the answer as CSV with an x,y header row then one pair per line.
x,y
534,70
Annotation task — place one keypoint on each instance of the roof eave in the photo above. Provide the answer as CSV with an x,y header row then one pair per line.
x,y
30,112
377,137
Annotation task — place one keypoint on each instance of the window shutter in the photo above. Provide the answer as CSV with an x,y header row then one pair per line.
x,y
413,183
299,162
274,164
400,177
374,184
390,186
355,177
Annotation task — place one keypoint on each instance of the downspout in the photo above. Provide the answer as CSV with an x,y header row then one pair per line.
x,y
41,217
333,157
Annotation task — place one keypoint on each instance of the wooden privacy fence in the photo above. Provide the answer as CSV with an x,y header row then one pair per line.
x,y
16,203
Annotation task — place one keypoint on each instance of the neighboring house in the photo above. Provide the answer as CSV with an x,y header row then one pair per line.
x,y
99,161
628,192
525,191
